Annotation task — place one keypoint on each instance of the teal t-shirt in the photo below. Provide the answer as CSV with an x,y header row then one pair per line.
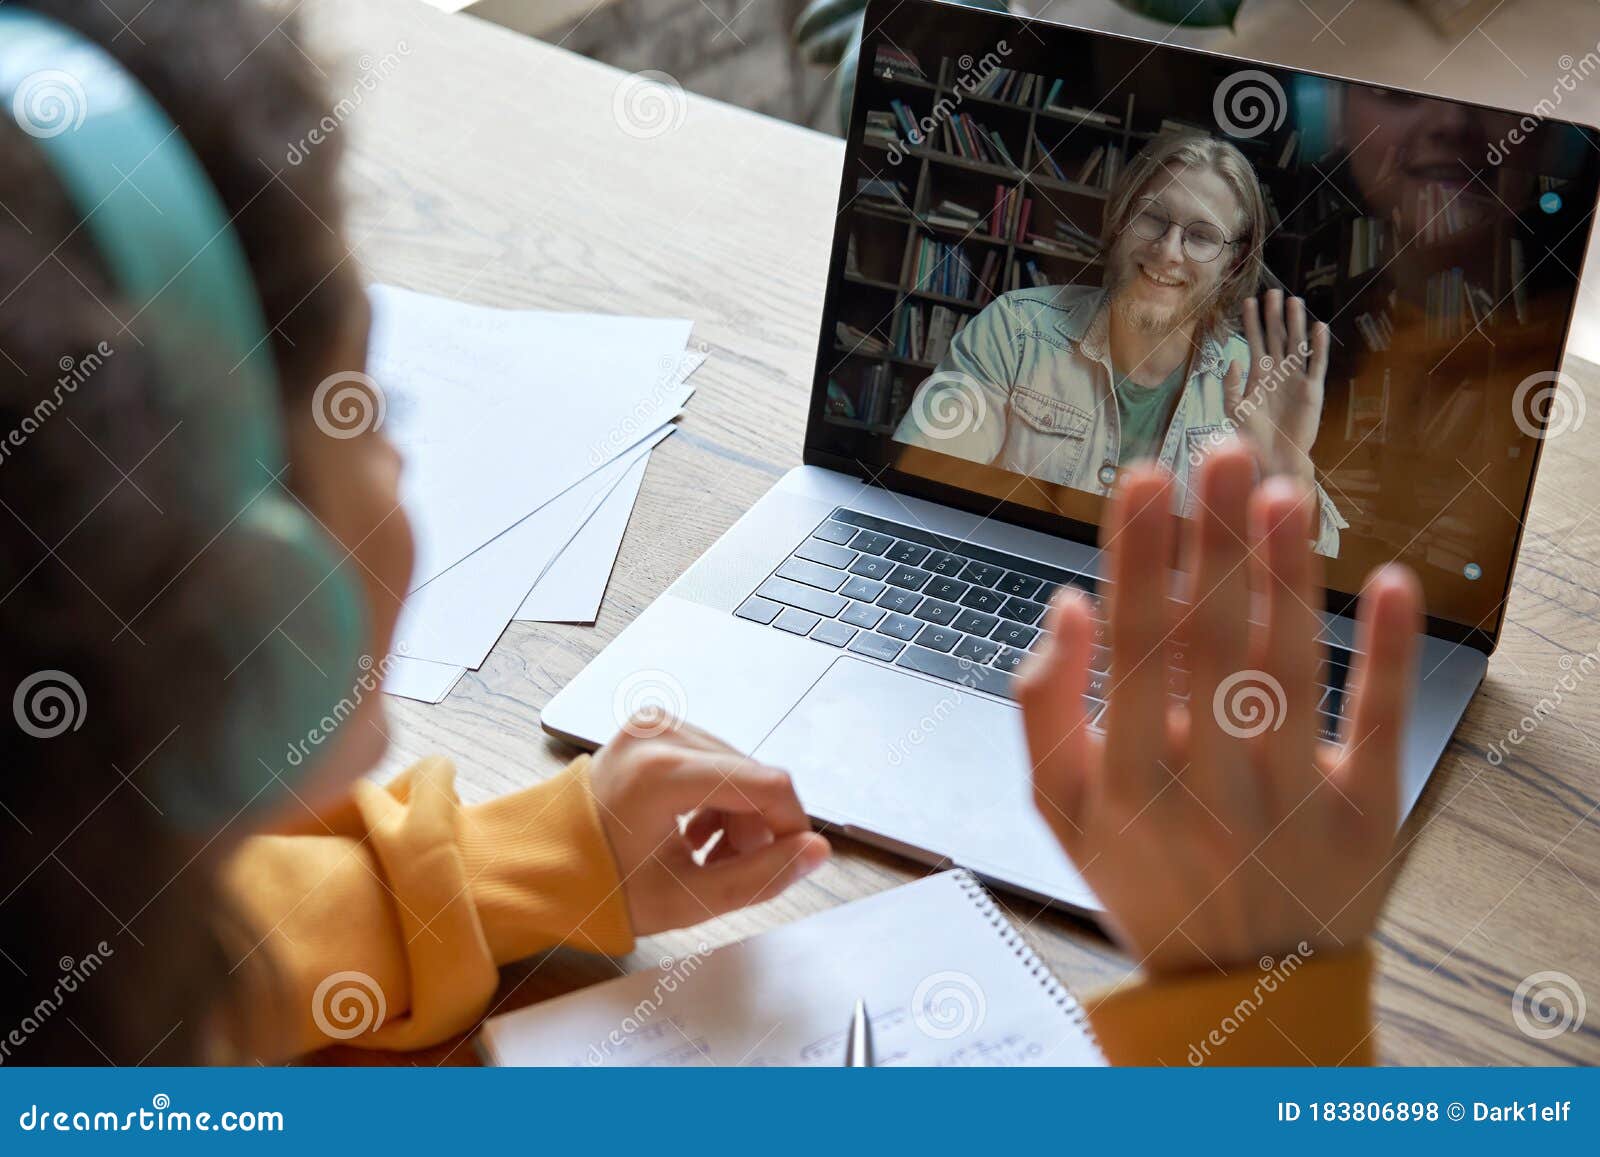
x,y
1145,413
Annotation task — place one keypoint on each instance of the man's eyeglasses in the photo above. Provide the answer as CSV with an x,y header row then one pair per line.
x,y
1202,241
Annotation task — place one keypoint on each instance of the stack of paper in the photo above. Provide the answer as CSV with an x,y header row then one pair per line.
x,y
526,436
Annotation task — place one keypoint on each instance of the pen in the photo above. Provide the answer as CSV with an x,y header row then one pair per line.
x,y
858,1040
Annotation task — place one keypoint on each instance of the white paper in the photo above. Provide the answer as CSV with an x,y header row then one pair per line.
x,y
499,411
420,679
458,617
572,589
940,972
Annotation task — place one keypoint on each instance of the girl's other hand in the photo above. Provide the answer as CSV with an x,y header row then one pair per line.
x,y
697,828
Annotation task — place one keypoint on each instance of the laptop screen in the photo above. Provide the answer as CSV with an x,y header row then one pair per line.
x,y
1059,252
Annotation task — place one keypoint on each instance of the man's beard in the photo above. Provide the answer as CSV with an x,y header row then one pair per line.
x,y
1197,305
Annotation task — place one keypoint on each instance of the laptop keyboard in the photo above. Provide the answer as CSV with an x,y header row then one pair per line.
x,y
961,613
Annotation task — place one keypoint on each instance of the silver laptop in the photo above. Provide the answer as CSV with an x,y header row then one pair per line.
x,y
1009,219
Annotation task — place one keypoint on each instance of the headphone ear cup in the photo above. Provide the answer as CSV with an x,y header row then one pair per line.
x,y
289,629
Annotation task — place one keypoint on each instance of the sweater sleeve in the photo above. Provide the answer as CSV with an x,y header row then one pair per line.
x,y
385,930
1319,1014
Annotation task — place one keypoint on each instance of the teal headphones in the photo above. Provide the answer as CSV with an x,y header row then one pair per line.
x,y
293,658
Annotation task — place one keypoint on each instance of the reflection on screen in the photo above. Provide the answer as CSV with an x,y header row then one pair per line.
x,y
1052,274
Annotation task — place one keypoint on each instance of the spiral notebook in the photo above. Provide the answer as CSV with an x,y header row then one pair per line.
x,y
946,978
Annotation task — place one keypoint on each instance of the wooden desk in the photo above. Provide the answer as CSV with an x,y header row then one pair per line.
x,y
489,167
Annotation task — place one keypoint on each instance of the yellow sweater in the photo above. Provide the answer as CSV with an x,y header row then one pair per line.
x,y
412,901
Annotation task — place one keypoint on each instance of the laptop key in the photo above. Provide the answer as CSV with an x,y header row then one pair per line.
x,y
908,577
782,590
815,550
1098,685
938,638
1022,610
812,574
861,615
835,532
1018,584
975,623
1332,702
1014,635
899,627
1046,594
989,602
943,562
759,610
871,542
1009,659
1327,728
948,589
978,650
907,552
833,632
895,599
934,611
877,646
861,589
982,573
796,622
873,568
961,671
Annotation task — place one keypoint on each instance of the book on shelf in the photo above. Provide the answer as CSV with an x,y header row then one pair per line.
x,y
1091,165
856,340
934,266
924,335
1008,85
953,215
882,127
1035,276
1367,406
1290,146
1071,233
1174,125
987,278
1376,329
1321,274
1368,243
1087,116
897,64
1055,170
883,192
852,264
964,137
1445,305
907,121
1057,248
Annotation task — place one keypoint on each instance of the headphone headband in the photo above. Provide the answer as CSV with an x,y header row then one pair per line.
x,y
165,238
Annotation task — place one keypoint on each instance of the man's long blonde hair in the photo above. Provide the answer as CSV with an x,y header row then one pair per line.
x,y
1192,149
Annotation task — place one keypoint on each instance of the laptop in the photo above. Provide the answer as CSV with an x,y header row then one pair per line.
x,y
1007,204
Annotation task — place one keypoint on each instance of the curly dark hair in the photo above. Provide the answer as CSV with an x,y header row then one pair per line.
x,y
115,940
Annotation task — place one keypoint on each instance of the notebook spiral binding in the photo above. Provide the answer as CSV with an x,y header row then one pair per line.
x,y
1054,989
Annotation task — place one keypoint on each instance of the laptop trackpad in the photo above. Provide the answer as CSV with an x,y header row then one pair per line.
x,y
926,765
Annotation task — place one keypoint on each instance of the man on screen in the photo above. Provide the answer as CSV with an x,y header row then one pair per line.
x,y
1067,384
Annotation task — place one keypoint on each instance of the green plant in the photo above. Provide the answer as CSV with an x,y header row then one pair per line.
x,y
828,32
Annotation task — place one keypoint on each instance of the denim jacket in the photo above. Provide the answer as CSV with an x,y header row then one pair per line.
x,y
1026,386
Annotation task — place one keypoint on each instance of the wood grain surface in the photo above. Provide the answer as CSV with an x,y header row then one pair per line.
x,y
493,168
